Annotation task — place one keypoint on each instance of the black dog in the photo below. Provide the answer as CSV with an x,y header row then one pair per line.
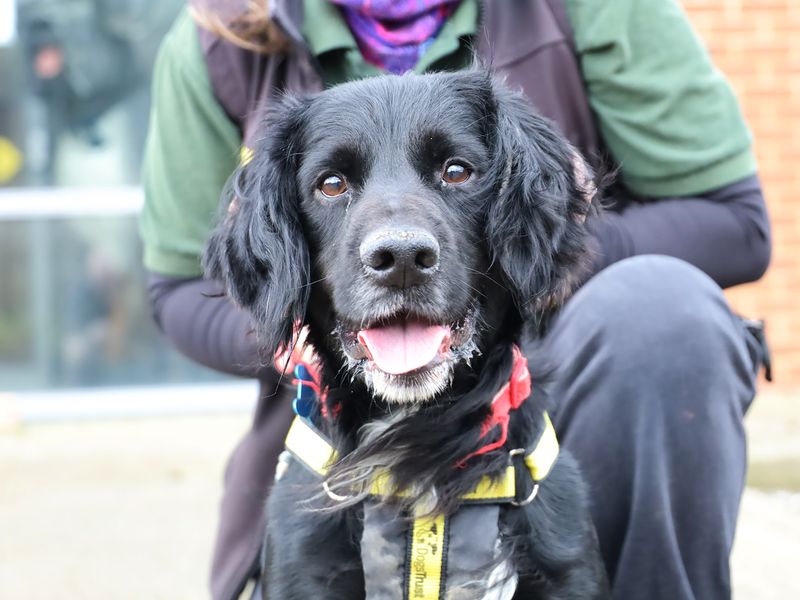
x,y
414,224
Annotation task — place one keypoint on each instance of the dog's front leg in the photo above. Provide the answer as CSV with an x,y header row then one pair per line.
x,y
557,553
309,553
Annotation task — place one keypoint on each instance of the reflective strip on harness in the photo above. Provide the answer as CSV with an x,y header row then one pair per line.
x,y
310,447
541,460
316,453
425,568
502,489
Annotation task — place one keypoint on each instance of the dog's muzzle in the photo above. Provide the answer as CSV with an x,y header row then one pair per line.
x,y
405,358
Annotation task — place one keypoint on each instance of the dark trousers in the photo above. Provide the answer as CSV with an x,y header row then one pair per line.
x,y
653,377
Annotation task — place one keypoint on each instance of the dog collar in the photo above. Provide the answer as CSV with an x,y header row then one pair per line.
x,y
311,395
510,397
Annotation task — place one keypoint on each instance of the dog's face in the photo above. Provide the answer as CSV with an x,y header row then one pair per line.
x,y
410,221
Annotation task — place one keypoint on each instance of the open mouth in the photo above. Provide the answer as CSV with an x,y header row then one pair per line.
x,y
406,357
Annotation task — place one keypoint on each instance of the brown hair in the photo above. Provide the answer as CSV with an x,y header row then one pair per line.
x,y
252,29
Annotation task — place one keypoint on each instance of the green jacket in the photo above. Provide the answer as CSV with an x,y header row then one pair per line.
x,y
664,113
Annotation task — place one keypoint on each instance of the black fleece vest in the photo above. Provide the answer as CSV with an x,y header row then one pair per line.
x,y
529,43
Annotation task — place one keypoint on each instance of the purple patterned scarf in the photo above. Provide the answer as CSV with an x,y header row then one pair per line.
x,y
393,35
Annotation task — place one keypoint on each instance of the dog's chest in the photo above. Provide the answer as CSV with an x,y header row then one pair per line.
x,y
455,558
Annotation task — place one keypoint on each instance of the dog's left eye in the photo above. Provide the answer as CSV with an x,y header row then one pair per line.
x,y
455,172
333,185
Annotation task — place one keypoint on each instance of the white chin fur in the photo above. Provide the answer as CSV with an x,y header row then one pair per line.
x,y
410,389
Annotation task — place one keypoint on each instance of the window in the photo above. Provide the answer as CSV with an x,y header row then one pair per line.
x,y
73,116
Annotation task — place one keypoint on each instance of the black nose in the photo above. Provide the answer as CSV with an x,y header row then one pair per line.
x,y
400,257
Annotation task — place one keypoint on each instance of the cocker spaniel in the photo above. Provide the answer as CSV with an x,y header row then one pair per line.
x,y
413,225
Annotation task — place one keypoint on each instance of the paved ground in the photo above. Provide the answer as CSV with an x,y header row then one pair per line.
x,y
125,510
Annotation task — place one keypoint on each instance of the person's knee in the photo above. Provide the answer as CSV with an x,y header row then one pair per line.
x,y
658,325
656,361
656,305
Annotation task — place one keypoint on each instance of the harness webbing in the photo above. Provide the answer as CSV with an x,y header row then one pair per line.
x,y
544,455
425,563
426,547
312,449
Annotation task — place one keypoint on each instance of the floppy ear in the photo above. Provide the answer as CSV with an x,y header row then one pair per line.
x,y
536,225
258,250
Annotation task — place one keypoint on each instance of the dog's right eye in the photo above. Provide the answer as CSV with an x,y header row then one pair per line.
x,y
456,173
332,186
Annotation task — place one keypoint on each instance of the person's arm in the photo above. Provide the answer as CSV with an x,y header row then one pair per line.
x,y
724,232
206,326
672,124
192,148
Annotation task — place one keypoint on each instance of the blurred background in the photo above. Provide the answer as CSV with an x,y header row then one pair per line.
x,y
112,446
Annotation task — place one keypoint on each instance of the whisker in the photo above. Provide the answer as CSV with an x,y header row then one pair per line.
x,y
310,283
473,288
487,276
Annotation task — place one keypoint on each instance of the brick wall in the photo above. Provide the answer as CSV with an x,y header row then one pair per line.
x,y
756,43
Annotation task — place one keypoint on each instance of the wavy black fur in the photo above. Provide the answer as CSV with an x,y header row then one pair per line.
x,y
513,245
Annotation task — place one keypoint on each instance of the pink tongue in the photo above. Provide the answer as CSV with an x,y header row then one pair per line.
x,y
403,347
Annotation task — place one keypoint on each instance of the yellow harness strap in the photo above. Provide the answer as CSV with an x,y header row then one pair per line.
x,y
311,448
425,561
544,455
